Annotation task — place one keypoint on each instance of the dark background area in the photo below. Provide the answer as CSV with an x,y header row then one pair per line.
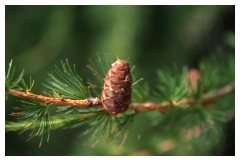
x,y
38,37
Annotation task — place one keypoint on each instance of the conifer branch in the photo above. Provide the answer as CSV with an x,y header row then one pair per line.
x,y
186,89
89,102
57,121
219,93
166,106
148,106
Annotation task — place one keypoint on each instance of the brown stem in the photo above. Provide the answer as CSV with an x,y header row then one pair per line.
x,y
148,106
219,93
89,102
166,106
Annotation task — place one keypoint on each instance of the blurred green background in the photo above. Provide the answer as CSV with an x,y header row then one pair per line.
x,y
38,37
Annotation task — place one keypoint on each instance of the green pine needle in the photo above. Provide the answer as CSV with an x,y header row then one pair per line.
x,y
104,125
99,67
10,82
36,118
216,71
172,83
66,83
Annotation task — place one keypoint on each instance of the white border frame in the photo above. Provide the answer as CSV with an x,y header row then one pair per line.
x,y
121,2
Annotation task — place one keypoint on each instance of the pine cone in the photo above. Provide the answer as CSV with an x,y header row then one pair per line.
x,y
116,92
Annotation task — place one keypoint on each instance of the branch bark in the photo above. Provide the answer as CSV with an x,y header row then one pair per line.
x,y
148,106
166,106
89,102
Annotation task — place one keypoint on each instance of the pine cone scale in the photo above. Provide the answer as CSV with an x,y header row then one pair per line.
x,y
116,93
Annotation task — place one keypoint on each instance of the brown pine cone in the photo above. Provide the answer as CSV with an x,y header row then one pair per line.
x,y
117,88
